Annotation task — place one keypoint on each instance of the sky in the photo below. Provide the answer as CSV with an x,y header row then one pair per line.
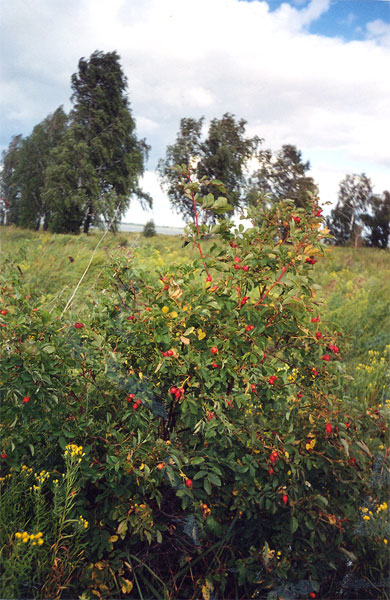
x,y
313,73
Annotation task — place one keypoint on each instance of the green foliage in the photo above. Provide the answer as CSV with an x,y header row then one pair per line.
x,y
82,170
104,123
221,157
42,541
149,229
378,223
283,176
223,453
360,215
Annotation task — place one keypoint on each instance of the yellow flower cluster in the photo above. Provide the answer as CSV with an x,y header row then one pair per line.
x,y
83,522
25,470
311,443
34,538
381,507
74,450
2,479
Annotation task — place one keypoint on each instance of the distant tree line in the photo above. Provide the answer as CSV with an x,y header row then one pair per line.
x,y
360,216
82,169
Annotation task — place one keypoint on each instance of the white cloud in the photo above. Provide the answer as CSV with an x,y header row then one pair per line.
x,y
196,57
379,31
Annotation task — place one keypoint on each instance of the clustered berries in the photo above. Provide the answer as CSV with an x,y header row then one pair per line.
x,y
168,353
272,380
177,392
311,260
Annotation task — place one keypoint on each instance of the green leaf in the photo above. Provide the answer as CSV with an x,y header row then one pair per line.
x,y
293,524
215,479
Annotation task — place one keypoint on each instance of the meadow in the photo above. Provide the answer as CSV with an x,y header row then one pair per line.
x,y
349,287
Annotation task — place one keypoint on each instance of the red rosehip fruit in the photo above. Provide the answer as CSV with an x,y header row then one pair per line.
x,y
328,428
214,350
285,498
26,400
318,335
130,397
237,267
173,390
3,312
209,278
245,268
297,219
166,287
79,325
189,483
3,455
131,318
272,380
170,353
237,259
326,357
249,327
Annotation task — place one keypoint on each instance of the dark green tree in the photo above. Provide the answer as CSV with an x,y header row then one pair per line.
x,y
377,221
35,156
223,155
347,219
70,181
106,126
283,175
9,186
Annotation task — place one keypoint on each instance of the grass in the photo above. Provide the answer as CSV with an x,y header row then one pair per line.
x,y
354,283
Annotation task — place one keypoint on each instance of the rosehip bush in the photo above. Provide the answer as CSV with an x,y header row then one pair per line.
x,y
220,454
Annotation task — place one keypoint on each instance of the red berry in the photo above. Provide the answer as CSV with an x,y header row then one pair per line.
x,y
285,498
253,387
297,219
209,278
237,267
170,353
270,471
181,391
164,353
214,365
300,394
328,428
26,399
131,318
348,425
173,390
3,455
166,287
318,335
326,357
78,325
210,416
245,268
214,350
237,259
249,327
272,379
189,483
313,594
130,397
3,312
244,299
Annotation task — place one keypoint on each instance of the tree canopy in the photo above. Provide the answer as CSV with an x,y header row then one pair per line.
x,y
222,156
82,169
283,175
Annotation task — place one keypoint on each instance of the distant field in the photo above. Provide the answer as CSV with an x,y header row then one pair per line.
x,y
354,284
